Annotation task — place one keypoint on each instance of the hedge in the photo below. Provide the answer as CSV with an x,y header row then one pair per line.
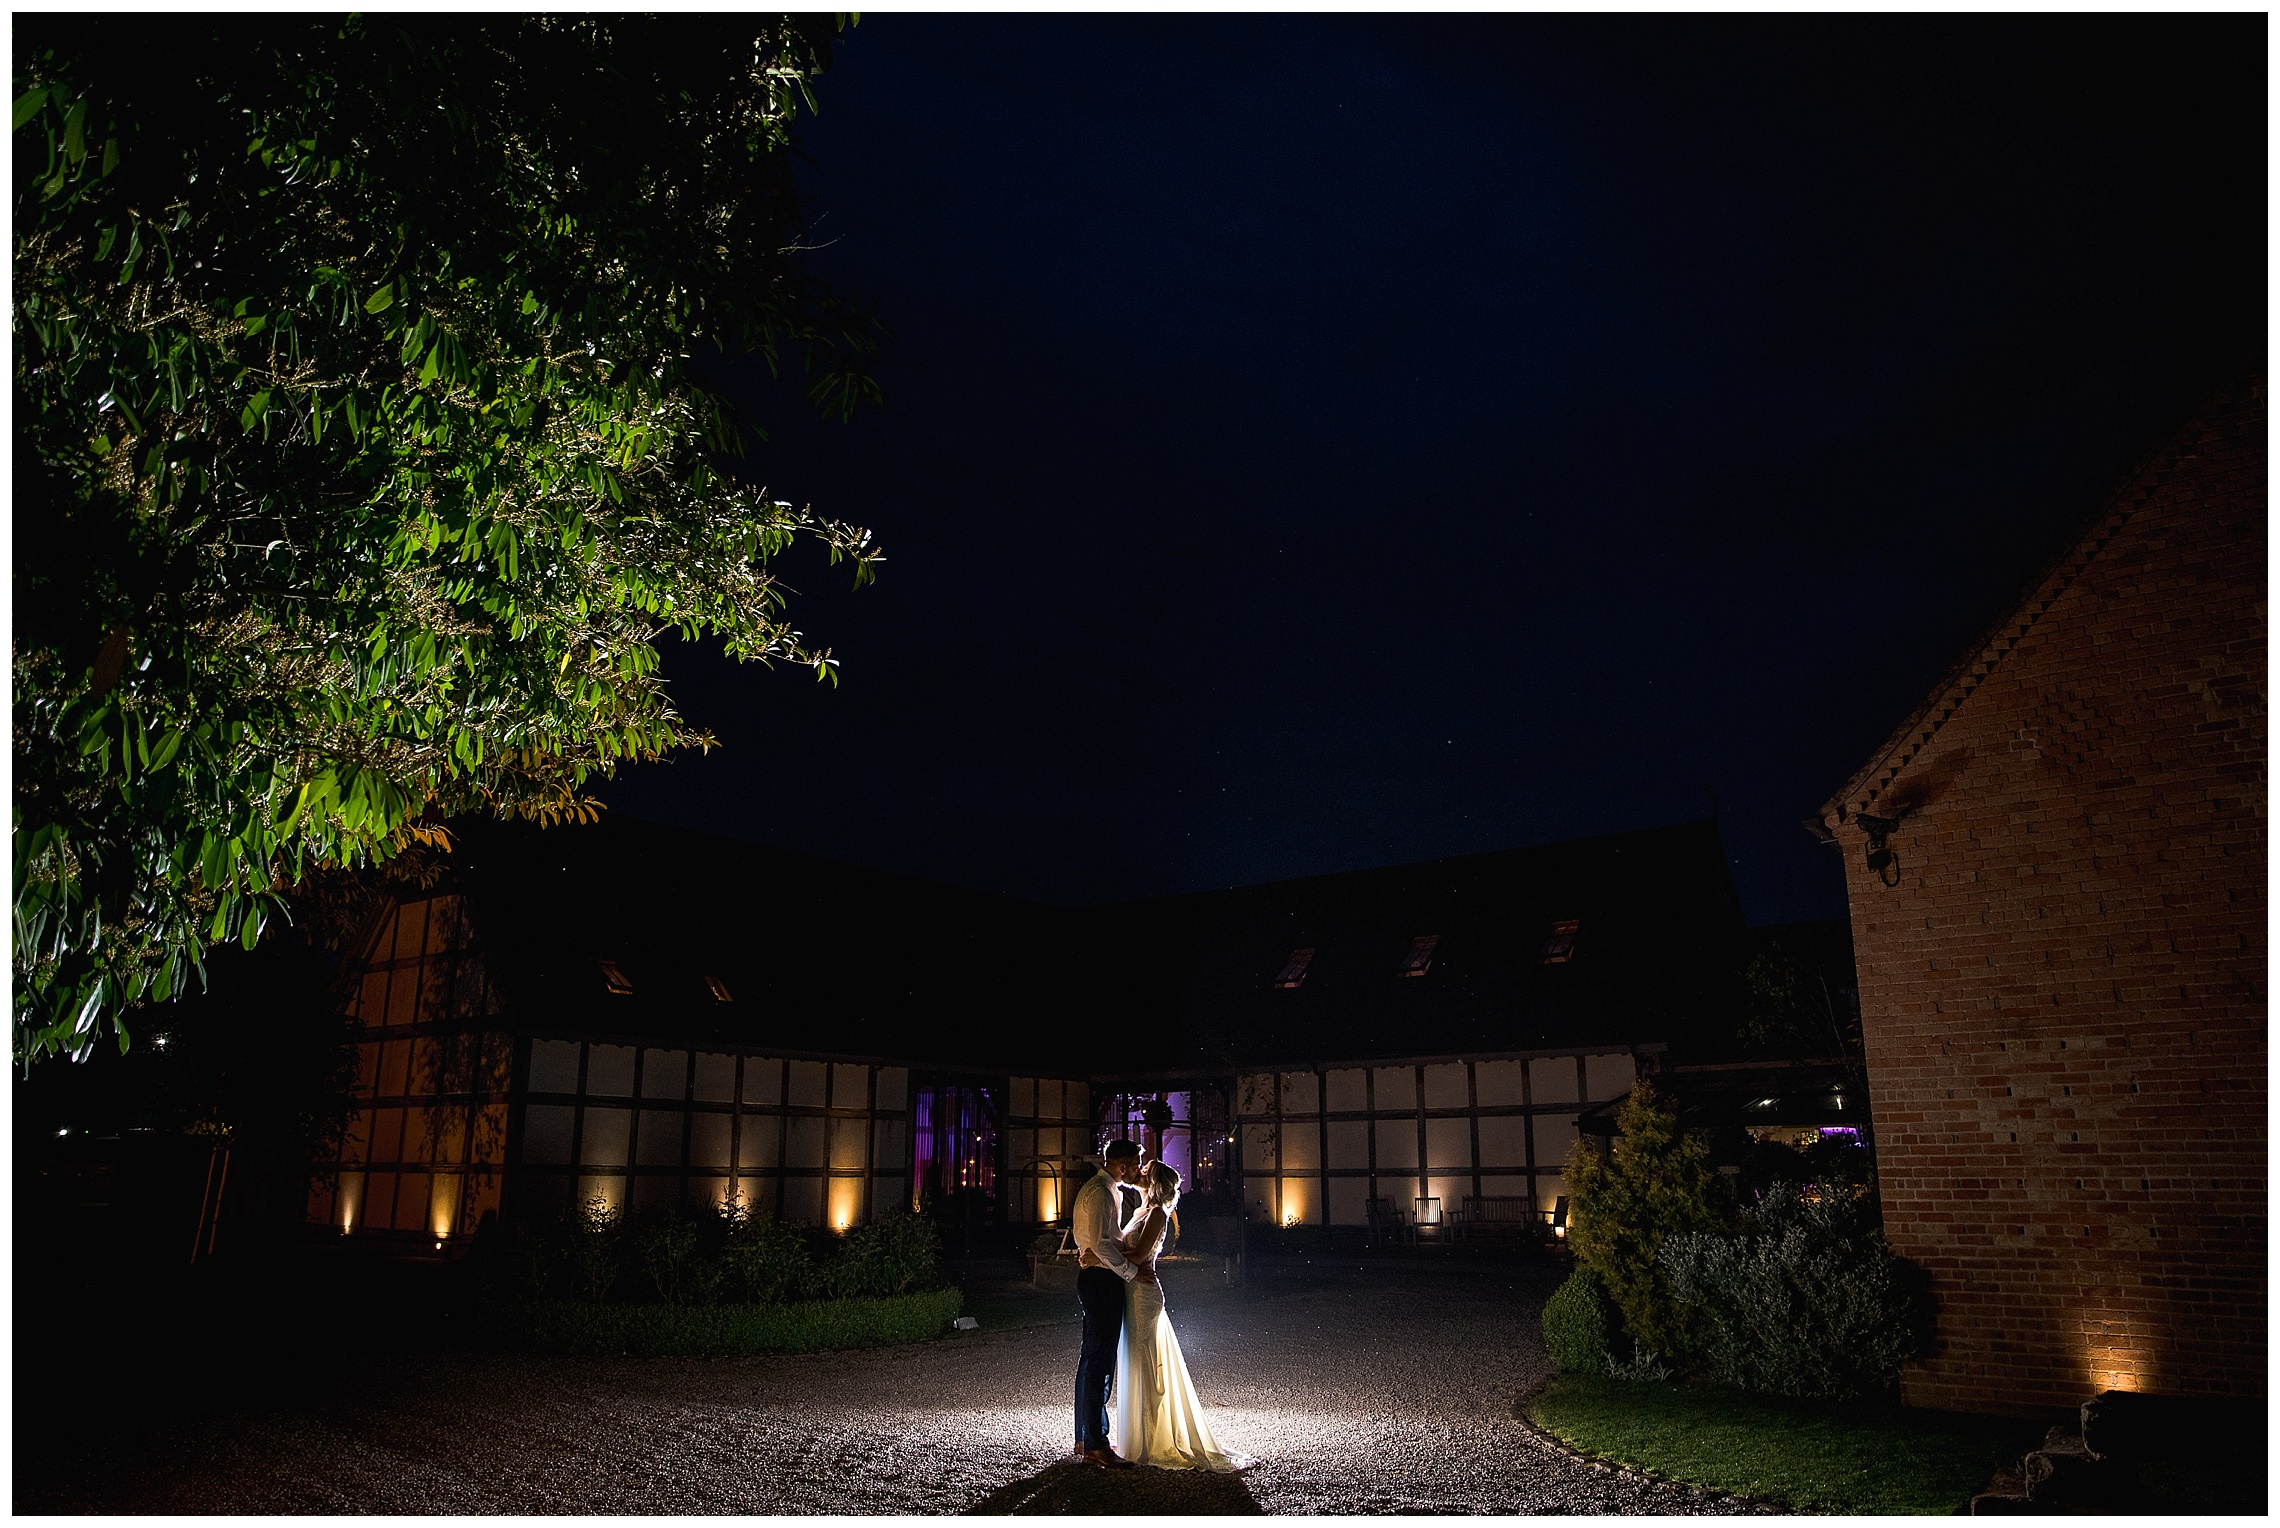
x,y
716,1331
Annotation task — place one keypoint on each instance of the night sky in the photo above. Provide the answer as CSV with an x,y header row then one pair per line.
x,y
1315,443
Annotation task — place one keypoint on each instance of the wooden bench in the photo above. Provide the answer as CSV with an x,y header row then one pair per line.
x,y
1498,1217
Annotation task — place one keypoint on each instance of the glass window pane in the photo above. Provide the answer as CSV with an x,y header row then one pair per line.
x,y
1497,1082
403,988
394,1056
849,1137
373,1010
387,1135
894,1088
806,1144
553,1066
1446,1088
1346,1090
803,1201
1298,1093
1504,1141
850,1086
546,1133
659,1141
608,1132
1021,1100
1396,1144
889,1150
708,1140
1301,1145
1396,1088
760,1141
1448,1143
609,1070
1555,1137
411,929
1349,1143
716,1078
763,1080
665,1074
807,1084
1608,1077
1551,1080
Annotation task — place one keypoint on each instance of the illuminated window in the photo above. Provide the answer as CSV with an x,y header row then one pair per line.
x,y
1295,972
1419,960
719,990
1561,946
616,978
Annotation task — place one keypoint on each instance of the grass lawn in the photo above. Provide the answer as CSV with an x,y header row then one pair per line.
x,y
1814,1456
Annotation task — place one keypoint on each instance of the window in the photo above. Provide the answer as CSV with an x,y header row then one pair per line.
x,y
1295,972
616,978
719,990
1419,960
1561,946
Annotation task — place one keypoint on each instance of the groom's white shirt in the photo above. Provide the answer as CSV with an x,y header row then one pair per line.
x,y
1094,1225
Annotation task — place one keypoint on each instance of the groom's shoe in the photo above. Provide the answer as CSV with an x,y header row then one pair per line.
x,y
1107,1459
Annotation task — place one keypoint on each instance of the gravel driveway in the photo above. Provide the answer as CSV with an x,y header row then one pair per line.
x,y
1376,1389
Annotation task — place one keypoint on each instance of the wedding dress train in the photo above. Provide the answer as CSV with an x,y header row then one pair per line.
x,y
1158,1418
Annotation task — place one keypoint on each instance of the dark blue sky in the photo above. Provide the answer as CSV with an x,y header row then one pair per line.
x,y
1312,443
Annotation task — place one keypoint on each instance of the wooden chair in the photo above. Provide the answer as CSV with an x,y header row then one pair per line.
x,y
1389,1221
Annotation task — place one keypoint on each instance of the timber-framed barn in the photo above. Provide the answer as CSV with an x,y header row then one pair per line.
x,y
650,1017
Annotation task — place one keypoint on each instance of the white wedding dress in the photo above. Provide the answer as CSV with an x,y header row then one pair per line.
x,y
1157,1418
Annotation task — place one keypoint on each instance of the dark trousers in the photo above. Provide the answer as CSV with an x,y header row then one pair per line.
x,y
1101,1293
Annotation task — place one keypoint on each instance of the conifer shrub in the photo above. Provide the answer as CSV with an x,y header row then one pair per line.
x,y
1575,1324
1656,1184
1806,1301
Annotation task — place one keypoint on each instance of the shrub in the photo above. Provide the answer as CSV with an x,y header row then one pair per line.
x,y
592,1251
1655,1185
1641,1367
669,1250
1575,1324
764,1262
891,1256
1807,1301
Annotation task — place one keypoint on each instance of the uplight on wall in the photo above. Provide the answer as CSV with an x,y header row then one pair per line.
x,y
351,1201
846,1202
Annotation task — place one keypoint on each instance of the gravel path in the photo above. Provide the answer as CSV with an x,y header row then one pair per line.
x,y
1363,1390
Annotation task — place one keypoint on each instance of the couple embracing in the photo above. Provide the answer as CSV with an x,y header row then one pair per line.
x,y
1128,1337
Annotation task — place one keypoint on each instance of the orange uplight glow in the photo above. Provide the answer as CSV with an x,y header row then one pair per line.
x,y
846,1202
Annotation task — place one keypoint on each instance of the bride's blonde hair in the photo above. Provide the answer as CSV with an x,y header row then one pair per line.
x,y
1164,1189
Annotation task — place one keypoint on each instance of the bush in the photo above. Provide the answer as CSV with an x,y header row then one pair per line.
x,y
1655,1185
1807,1301
893,1255
592,1250
1575,1324
669,1250
714,1331
764,1262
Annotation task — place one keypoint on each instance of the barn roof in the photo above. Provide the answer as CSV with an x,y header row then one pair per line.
x,y
1620,940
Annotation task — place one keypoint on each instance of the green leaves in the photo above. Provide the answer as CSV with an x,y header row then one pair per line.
x,y
375,424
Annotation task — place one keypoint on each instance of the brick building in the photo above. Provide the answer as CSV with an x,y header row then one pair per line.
x,y
2057,879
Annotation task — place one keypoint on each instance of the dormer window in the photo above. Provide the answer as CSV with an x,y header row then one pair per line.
x,y
1419,960
1295,972
719,990
618,980
1561,945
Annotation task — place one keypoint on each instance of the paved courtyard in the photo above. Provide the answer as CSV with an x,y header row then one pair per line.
x,y
1363,1389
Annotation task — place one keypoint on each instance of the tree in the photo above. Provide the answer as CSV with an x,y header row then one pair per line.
x,y
1654,1185
368,440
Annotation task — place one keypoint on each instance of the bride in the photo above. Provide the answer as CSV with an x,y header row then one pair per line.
x,y
1158,1419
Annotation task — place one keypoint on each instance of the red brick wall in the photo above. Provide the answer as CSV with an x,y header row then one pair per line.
x,y
2064,996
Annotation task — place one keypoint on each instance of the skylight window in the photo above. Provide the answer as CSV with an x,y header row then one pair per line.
x,y
719,990
619,982
1295,972
1419,960
1561,946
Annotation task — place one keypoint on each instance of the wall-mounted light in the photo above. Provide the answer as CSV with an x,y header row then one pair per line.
x,y
1881,860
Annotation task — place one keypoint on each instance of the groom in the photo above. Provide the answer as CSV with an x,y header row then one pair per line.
x,y
1096,1222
